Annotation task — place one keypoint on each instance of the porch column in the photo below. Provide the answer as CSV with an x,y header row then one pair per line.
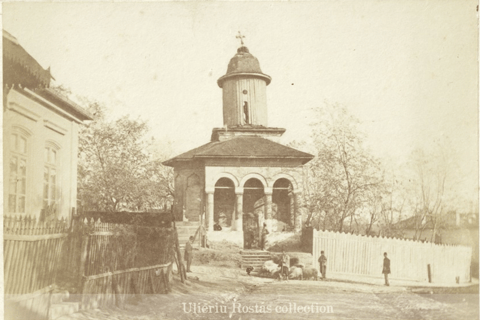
x,y
239,209
210,192
291,196
268,209
298,210
233,223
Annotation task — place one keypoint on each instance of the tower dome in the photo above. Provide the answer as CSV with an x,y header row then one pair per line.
x,y
244,91
244,64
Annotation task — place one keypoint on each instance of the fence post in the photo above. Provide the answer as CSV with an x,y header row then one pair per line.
x,y
429,273
83,258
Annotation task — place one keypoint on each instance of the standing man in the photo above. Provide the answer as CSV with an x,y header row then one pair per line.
x,y
189,253
249,231
264,236
322,260
386,268
285,265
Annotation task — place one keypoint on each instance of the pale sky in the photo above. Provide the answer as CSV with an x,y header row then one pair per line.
x,y
407,69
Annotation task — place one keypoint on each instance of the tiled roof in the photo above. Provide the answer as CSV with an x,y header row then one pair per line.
x,y
246,147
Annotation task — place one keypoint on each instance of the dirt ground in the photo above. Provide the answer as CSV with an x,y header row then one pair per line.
x,y
226,293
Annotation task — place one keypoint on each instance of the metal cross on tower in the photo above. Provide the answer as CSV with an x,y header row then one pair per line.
x,y
240,37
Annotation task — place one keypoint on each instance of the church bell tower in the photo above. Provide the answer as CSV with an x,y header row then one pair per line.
x,y
244,91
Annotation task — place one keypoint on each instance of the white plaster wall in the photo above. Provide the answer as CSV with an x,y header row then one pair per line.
x,y
23,112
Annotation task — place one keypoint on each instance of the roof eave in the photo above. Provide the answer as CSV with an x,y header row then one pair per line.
x,y
66,104
302,159
262,76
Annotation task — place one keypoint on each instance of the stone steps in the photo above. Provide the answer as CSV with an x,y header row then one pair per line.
x,y
254,258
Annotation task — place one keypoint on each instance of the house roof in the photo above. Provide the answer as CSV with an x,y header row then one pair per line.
x,y
30,74
65,103
20,68
246,147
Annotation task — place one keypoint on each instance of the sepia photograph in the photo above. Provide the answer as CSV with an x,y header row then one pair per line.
x,y
240,160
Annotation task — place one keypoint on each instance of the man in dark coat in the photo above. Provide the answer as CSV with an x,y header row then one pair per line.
x,y
264,237
189,253
322,260
386,268
284,265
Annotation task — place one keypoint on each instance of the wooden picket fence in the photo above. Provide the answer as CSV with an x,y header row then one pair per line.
x,y
117,260
106,261
410,260
31,253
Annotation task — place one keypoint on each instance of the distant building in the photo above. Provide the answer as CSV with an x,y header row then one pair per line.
x,y
243,177
40,139
457,229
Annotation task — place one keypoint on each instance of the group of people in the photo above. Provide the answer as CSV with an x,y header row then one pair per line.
x,y
322,260
285,265
285,259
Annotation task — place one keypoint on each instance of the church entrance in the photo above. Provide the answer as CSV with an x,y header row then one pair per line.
x,y
224,204
282,199
253,212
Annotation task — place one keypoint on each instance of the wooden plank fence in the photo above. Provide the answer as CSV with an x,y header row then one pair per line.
x,y
363,255
117,260
105,261
31,257
31,252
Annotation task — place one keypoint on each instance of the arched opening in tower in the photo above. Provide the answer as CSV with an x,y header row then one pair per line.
x,y
253,212
224,202
246,116
282,208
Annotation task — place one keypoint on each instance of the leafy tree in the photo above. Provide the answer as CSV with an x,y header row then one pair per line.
x,y
343,173
116,168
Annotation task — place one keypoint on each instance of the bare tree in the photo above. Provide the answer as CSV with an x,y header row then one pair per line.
x,y
431,174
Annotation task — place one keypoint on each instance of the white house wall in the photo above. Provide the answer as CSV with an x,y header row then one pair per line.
x,y
43,126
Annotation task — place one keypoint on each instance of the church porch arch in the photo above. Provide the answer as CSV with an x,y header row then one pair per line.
x,y
224,204
254,211
256,176
286,176
228,176
283,204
